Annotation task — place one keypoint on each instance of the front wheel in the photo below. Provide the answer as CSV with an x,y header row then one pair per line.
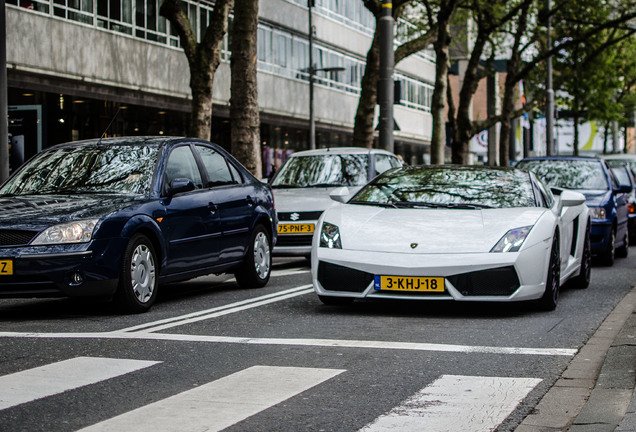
x,y
623,251
553,281
257,265
582,280
138,284
609,254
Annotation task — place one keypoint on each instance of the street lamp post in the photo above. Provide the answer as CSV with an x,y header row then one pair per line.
x,y
549,104
312,78
385,81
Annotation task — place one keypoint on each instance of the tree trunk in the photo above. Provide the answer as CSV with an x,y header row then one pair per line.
x,y
438,105
363,133
244,114
203,58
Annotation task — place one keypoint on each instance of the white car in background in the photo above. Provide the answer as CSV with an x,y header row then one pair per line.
x,y
302,186
462,233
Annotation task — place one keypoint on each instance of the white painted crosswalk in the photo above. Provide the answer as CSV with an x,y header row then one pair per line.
x,y
457,404
450,403
221,403
55,378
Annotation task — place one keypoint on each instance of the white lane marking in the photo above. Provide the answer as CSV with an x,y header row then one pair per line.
x,y
333,343
37,383
457,404
221,403
220,310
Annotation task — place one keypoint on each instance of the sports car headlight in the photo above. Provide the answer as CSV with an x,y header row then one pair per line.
x,y
597,212
512,241
72,232
330,236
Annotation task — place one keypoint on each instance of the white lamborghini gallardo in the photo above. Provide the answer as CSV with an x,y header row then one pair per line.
x,y
461,233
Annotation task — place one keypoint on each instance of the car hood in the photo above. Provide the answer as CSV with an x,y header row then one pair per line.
x,y
426,231
596,198
306,199
36,212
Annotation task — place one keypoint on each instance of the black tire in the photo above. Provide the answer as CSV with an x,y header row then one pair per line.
x,y
582,280
139,276
609,255
623,251
335,301
550,297
257,264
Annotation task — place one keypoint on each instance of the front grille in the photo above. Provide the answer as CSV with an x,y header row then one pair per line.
x,y
335,277
493,282
294,240
298,216
16,237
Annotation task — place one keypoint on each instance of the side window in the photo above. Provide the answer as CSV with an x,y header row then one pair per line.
x,y
546,196
216,167
181,164
384,162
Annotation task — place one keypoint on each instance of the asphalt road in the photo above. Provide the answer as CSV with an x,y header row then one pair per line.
x,y
210,356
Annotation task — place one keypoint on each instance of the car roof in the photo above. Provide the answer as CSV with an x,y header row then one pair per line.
x,y
127,140
619,156
339,150
561,157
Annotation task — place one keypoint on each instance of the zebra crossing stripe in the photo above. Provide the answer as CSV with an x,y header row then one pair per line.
x,y
221,403
457,404
55,378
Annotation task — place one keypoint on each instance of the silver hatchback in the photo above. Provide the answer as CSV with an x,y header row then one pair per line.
x,y
302,186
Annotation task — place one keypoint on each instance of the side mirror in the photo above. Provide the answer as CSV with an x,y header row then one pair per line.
x,y
623,189
180,185
341,194
571,198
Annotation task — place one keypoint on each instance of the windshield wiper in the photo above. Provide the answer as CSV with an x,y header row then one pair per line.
x,y
285,186
372,203
325,185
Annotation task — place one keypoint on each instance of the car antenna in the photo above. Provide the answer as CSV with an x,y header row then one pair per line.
x,y
108,127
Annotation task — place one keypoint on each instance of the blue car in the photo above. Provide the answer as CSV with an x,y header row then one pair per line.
x,y
604,196
117,217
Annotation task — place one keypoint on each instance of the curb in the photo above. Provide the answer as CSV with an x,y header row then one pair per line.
x,y
595,391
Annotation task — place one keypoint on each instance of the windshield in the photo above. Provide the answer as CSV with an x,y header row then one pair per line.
x,y
449,187
569,174
86,169
323,170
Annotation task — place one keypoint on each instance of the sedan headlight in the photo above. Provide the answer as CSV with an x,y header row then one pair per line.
x,y
512,241
330,236
72,232
597,212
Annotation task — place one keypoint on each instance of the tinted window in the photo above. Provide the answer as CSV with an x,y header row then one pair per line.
x,y
622,177
569,174
323,170
181,164
120,168
216,167
449,187
384,162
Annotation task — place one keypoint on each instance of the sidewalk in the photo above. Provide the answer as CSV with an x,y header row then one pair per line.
x,y
596,392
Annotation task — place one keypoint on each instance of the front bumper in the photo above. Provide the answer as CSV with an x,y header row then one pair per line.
x,y
599,235
79,270
496,277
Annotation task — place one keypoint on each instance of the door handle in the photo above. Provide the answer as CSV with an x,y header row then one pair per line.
x,y
212,207
249,200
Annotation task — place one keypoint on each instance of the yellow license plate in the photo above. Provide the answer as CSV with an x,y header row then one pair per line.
x,y
6,267
296,228
408,283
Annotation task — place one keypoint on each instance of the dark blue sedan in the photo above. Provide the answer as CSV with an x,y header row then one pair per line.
x,y
604,196
116,217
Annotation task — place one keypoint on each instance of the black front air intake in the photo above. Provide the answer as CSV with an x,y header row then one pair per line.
x,y
492,282
335,277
